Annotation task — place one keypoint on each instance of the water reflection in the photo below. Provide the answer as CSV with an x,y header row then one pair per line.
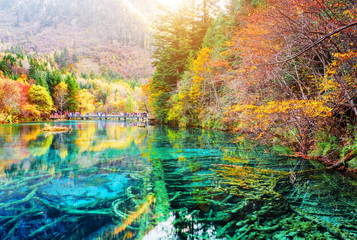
x,y
115,180
22,144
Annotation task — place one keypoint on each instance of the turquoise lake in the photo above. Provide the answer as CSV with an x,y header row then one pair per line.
x,y
116,180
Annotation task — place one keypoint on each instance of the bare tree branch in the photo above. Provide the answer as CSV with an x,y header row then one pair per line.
x,y
312,45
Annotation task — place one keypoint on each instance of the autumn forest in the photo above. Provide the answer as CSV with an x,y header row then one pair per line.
x,y
178,119
279,72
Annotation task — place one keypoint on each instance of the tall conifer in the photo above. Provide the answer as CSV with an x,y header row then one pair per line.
x,y
178,35
73,88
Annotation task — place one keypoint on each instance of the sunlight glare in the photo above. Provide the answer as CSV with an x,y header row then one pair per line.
x,y
175,4
171,3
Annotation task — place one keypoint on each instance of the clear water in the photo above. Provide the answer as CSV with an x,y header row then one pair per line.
x,y
112,180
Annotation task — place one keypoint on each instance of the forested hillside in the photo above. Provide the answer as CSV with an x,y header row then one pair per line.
x,y
34,93
277,71
102,35
72,56
281,72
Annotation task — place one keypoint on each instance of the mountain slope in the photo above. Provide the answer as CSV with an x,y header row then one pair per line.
x,y
110,34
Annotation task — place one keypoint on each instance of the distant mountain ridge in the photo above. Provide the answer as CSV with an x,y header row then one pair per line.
x,y
112,34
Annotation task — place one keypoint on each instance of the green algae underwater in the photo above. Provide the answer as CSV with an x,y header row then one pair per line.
x,y
115,180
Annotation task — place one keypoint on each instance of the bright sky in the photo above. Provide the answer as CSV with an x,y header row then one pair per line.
x,y
170,3
176,3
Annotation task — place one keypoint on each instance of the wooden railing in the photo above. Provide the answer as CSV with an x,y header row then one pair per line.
x,y
100,117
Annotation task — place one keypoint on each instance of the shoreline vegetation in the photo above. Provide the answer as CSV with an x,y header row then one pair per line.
x,y
258,72
341,165
251,69
280,76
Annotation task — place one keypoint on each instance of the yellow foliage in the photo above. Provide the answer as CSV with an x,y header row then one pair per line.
x,y
40,96
22,79
309,108
200,62
116,92
261,118
85,101
339,78
30,110
118,106
200,68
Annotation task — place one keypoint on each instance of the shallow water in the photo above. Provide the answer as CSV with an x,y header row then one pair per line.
x,y
115,180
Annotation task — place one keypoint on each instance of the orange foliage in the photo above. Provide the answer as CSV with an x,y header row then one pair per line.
x,y
15,98
289,101
144,97
9,97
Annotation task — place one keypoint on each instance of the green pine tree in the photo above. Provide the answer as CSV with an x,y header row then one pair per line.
x,y
41,80
178,36
53,78
73,87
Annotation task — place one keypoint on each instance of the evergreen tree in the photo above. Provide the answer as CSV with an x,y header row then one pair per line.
x,y
72,87
41,80
75,58
62,60
84,75
56,58
65,54
5,68
216,33
53,79
178,36
73,75
92,74
36,69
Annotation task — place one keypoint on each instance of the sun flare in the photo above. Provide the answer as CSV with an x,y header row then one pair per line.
x,y
171,3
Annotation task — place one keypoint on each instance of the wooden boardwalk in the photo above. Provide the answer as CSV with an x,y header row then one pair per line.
x,y
99,117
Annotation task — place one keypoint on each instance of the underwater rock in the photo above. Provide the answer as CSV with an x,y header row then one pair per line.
x,y
84,190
